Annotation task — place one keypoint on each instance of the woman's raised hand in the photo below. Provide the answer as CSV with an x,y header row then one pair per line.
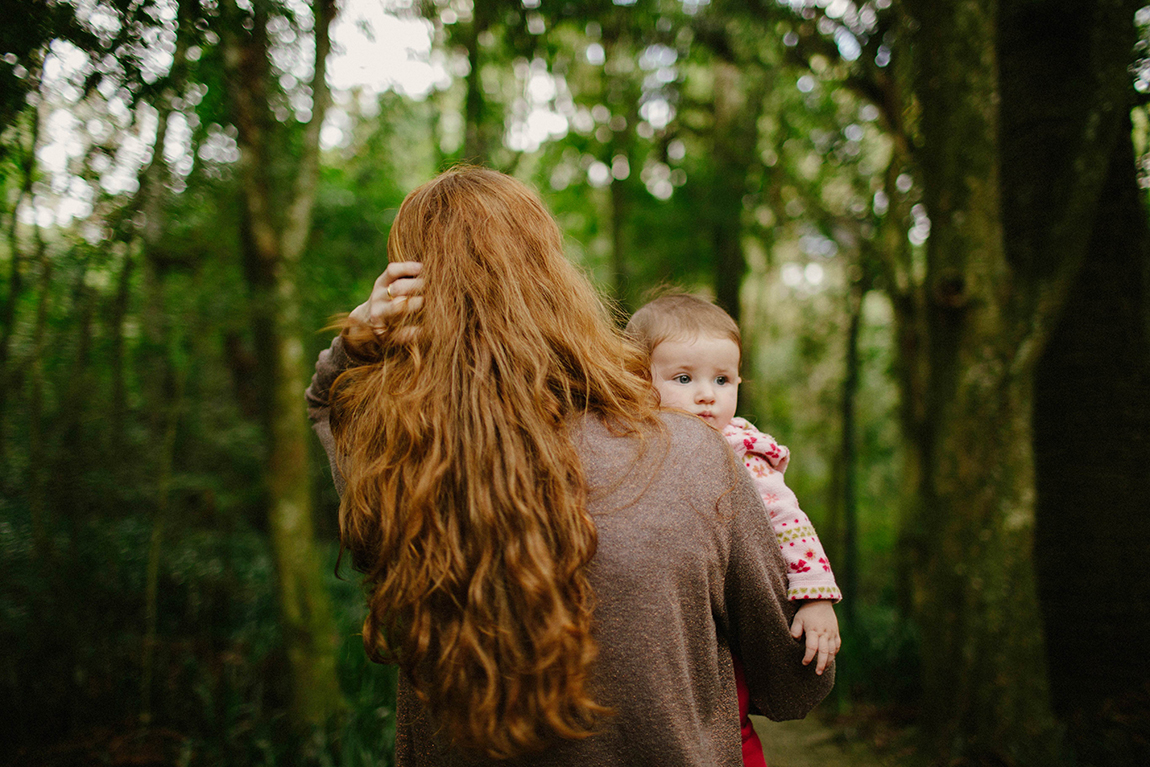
x,y
395,293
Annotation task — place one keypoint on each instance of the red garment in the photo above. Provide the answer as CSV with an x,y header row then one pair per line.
x,y
752,746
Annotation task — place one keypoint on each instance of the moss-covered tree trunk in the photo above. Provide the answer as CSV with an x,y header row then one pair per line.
x,y
1018,106
1077,228
737,104
1092,443
277,229
984,682
848,455
27,143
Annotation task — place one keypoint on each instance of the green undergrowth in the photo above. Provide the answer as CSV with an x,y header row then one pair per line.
x,y
72,650
72,654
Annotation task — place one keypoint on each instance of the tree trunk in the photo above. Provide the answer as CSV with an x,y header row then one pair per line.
x,y
164,459
37,454
27,163
848,570
1092,445
1076,227
116,425
476,134
275,248
984,680
1018,112
620,269
74,455
15,287
735,116
618,95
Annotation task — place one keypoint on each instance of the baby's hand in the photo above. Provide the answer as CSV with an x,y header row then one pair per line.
x,y
817,618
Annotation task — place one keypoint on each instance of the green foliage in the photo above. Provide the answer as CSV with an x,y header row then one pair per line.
x,y
131,368
879,662
72,637
149,404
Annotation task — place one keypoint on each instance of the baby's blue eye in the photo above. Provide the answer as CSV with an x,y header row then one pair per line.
x,y
683,378
722,380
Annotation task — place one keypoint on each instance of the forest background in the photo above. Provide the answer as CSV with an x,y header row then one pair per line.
x,y
929,217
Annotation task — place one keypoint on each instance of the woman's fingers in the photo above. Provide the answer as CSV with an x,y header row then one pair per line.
x,y
395,292
397,270
398,279
403,298
408,287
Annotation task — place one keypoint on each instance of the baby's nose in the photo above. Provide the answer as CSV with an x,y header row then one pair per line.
x,y
705,393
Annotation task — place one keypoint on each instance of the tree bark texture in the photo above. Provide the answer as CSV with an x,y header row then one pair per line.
x,y
1076,230
1092,445
1020,105
275,244
1065,95
984,681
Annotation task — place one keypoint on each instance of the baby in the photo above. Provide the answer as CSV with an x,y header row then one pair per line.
x,y
695,349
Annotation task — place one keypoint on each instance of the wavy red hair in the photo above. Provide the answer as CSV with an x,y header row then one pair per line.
x,y
466,503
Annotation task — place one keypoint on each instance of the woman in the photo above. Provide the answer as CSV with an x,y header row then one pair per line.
x,y
555,586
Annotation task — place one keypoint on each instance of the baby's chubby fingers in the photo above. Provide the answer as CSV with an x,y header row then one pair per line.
x,y
817,620
825,654
797,625
812,643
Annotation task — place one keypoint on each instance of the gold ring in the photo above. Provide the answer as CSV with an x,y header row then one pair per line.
x,y
389,296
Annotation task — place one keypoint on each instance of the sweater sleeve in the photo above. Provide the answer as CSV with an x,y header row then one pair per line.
x,y
332,361
759,615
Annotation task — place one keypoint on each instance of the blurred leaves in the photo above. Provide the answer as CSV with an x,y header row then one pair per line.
x,y
768,146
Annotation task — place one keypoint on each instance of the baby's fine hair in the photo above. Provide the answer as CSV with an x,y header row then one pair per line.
x,y
680,316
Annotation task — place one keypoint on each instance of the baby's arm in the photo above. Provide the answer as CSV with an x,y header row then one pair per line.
x,y
809,576
757,614
809,573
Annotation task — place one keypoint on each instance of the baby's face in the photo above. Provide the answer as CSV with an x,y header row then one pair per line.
x,y
700,375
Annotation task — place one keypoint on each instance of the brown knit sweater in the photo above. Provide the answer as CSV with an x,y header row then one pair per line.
x,y
687,569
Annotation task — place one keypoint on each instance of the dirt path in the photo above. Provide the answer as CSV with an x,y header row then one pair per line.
x,y
810,743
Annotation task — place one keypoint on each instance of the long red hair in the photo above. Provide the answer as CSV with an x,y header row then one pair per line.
x,y
466,503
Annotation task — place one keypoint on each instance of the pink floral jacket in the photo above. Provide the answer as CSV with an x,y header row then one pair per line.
x,y
809,573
